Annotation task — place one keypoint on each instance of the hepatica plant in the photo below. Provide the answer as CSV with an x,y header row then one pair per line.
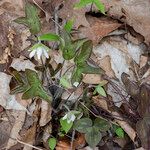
x,y
78,50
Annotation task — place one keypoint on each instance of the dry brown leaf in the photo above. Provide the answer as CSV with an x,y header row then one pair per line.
x,y
92,78
20,64
99,28
5,129
143,61
17,126
120,52
15,6
64,144
68,12
46,110
136,13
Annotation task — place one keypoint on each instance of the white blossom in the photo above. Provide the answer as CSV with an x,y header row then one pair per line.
x,y
70,116
40,50
76,84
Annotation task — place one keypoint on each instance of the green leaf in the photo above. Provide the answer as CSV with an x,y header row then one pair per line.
x,y
52,143
82,3
31,19
49,37
87,69
76,76
102,124
93,136
64,82
66,46
82,125
69,25
85,52
30,84
100,90
100,6
120,132
65,125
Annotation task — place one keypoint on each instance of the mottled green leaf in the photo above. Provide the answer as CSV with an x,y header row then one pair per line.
x,y
85,52
82,125
65,125
87,69
49,37
101,124
93,136
30,85
31,19
52,143
76,76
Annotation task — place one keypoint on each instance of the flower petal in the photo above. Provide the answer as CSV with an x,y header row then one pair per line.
x,y
45,53
73,117
68,121
65,117
32,53
39,52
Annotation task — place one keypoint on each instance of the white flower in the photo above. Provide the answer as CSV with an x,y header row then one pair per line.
x,y
40,50
69,116
76,84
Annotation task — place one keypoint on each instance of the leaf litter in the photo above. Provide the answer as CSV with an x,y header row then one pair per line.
x,y
119,51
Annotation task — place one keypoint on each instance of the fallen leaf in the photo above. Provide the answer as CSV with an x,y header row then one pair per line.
x,y
46,110
17,126
99,28
92,78
20,64
132,17
6,100
121,54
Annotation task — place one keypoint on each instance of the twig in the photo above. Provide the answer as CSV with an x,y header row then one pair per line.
x,y
72,139
28,145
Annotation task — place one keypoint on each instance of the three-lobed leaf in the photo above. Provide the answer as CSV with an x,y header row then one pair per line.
x,y
30,85
82,125
102,124
31,19
93,136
